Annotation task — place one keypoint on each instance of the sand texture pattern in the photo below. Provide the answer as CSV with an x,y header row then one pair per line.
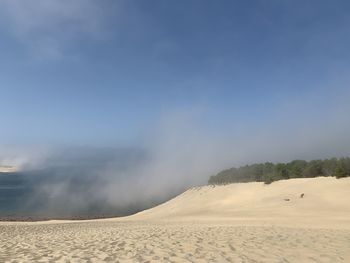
x,y
161,242
234,223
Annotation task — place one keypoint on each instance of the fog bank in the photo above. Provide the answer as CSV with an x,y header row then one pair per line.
x,y
181,151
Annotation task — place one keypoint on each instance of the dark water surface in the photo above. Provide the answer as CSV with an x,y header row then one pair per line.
x,y
72,183
15,189
27,196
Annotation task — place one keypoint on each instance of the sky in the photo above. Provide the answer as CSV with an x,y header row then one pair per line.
x,y
125,103
239,81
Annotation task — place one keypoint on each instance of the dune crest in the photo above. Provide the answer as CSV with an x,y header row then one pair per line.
x,y
232,223
311,201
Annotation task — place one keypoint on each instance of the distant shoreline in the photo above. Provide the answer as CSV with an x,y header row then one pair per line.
x,y
8,169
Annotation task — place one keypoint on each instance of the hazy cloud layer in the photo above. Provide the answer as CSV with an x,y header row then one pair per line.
x,y
234,85
180,152
49,27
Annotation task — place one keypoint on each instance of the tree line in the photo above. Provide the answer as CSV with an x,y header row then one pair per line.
x,y
269,172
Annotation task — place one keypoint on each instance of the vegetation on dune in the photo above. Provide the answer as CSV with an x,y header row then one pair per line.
x,y
270,172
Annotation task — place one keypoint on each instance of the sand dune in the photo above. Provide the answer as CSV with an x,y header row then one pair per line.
x,y
235,223
325,202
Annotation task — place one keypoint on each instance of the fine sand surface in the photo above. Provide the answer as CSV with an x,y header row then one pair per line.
x,y
249,222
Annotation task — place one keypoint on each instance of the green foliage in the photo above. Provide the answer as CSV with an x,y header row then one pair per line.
x,y
296,168
340,172
269,172
329,166
313,169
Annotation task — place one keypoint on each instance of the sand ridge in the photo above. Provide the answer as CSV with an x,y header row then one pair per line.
x,y
234,223
316,202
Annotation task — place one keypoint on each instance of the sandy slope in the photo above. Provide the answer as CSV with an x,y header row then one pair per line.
x,y
234,223
326,202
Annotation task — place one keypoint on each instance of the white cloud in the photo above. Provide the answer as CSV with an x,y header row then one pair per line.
x,y
51,27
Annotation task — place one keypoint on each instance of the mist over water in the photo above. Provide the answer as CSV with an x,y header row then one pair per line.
x,y
110,107
68,182
183,150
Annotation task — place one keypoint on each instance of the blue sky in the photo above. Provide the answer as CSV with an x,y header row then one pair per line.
x,y
109,72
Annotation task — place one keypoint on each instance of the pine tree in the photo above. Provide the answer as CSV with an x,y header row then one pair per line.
x,y
340,172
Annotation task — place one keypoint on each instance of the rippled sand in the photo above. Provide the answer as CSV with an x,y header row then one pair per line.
x,y
170,242
235,223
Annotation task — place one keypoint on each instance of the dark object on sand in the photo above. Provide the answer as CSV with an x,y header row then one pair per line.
x,y
302,195
287,199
